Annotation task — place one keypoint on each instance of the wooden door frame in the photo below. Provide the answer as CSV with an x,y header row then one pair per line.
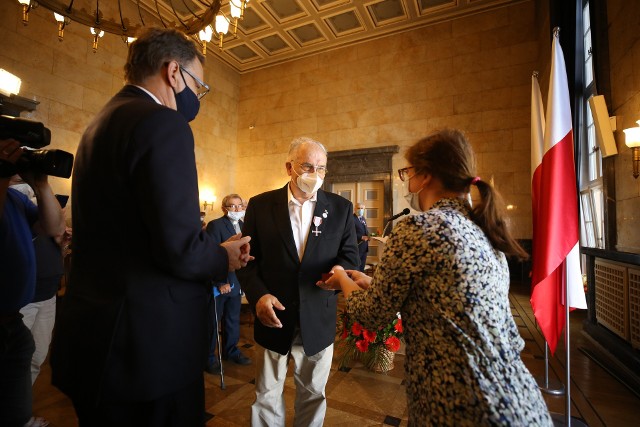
x,y
367,164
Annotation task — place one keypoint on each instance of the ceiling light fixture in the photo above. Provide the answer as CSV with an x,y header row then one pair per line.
x,y
236,10
62,22
126,19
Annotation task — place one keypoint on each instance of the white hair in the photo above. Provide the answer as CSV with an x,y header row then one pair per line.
x,y
299,142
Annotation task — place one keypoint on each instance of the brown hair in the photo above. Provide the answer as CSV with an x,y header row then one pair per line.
x,y
154,48
448,156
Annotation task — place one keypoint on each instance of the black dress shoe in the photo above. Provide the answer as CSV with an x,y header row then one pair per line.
x,y
213,368
240,359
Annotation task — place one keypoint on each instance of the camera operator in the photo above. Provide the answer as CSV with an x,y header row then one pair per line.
x,y
20,219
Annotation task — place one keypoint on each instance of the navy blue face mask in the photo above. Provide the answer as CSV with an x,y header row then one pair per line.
x,y
187,102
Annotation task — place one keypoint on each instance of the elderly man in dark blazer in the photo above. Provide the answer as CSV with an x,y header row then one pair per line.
x,y
229,299
131,340
298,234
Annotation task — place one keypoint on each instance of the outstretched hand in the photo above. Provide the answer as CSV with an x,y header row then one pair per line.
x,y
265,311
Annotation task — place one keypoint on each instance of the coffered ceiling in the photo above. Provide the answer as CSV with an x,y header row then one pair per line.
x,y
274,31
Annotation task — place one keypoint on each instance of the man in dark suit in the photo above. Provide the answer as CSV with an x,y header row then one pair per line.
x,y
229,300
362,234
298,234
131,340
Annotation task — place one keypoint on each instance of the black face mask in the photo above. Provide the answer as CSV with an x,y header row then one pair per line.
x,y
187,102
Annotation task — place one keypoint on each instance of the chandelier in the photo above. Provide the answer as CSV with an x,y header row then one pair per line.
x,y
222,23
125,18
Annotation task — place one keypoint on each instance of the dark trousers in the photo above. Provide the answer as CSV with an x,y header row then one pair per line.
x,y
228,310
363,261
16,350
184,408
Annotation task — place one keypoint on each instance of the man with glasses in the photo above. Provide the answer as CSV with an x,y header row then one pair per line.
x,y
229,300
131,340
299,233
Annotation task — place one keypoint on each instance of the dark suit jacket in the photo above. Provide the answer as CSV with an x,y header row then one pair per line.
x,y
361,230
277,270
221,229
133,323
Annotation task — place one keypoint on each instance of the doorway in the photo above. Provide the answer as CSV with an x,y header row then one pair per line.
x,y
371,193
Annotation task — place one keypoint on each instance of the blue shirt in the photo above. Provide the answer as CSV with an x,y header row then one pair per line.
x,y
17,256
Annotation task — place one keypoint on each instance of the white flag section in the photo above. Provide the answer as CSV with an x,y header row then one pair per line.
x,y
555,207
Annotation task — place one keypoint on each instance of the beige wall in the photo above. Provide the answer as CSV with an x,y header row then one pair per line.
x,y
472,73
624,52
72,83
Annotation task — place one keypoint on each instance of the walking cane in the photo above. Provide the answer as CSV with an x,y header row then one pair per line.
x,y
216,294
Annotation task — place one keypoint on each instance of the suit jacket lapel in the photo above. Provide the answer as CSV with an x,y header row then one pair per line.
x,y
283,222
313,239
229,225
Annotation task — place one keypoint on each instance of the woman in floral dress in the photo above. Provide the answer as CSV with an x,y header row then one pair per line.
x,y
446,271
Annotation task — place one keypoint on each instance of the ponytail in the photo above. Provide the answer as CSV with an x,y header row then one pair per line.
x,y
490,216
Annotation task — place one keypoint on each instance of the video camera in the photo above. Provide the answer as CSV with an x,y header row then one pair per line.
x,y
33,136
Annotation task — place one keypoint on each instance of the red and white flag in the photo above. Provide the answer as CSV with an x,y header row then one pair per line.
x,y
556,263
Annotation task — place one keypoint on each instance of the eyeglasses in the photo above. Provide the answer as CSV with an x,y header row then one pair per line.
x,y
309,168
404,173
234,207
202,88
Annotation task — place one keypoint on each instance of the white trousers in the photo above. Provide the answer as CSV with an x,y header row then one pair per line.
x,y
310,376
39,317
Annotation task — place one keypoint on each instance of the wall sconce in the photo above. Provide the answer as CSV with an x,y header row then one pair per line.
x,y
632,139
209,204
26,6
9,83
62,22
205,36
96,36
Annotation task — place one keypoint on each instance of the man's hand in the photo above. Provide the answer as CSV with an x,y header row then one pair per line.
x,y
237,248
265,311
365,238
225,289
10,152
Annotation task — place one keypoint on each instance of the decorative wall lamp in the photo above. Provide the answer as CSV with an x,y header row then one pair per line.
x,y
62,22
207,198
632,139
97,33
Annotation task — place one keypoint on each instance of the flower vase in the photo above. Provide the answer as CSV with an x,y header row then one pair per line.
x,y
382,363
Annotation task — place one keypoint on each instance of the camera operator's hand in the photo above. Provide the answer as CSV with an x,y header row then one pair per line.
x,y
50,217
10,152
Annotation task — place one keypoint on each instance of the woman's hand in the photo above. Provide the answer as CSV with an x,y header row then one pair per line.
x,y
360,279
331,281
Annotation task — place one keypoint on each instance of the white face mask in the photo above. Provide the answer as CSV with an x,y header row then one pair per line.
x,y
412,198
360,212
309,182
235,215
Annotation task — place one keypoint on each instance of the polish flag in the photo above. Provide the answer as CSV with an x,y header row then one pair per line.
x,y
556,262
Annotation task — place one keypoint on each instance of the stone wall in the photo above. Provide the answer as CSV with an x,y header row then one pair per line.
x,y
472,73
72,83
624,56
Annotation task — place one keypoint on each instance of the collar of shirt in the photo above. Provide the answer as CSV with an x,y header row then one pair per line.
x,y
301,215
155,98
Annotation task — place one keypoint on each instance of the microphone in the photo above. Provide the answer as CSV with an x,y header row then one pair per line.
x,y
398,215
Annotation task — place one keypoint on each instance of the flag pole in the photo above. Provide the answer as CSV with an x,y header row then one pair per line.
x,y
556,388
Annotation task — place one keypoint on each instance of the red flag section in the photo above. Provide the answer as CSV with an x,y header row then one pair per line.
x,y
555,208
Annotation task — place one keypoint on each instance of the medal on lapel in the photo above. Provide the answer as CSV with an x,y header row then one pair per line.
x,y
317,221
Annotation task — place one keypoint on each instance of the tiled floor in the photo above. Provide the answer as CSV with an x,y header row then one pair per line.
x,y
360,397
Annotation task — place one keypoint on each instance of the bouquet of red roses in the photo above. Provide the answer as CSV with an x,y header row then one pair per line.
x,y
374,348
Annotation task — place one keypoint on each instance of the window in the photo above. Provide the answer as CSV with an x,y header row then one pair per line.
x,y
590,173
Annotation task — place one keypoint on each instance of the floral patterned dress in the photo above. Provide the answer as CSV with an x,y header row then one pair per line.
x,y
463,363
